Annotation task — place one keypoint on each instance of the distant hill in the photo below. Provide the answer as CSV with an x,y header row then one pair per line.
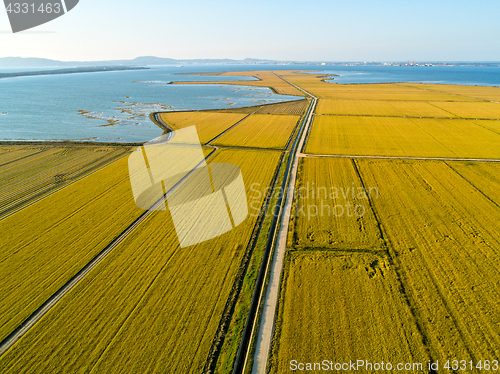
x,y
21,62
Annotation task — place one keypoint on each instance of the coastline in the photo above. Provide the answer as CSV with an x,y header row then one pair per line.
x,y
95,69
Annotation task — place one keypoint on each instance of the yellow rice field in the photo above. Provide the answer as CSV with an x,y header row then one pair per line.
x,y
472,110
381,91
445,236
411,276
342,307
260,131
436,284
491,125
294,108
265,79
483,176
331,208
28,172
381,108
208,124
48,242
477,92
381,136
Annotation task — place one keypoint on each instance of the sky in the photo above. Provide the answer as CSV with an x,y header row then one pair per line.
x,y
314,30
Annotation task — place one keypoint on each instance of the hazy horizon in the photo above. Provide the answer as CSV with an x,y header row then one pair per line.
x,y
262,59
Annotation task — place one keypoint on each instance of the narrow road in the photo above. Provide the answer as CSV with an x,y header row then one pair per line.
x,y
266,326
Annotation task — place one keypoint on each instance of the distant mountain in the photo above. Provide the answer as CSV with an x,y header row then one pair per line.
x,y
21,62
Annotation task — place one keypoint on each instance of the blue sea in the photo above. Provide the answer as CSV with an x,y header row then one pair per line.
x,y
114,106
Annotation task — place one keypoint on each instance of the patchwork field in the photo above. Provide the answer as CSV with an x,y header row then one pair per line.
x,y
382,91
432,280
208,124
48,242
445,235
150,305
265,79
387,260
382,136
442,229
339,307
331,208
260,131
